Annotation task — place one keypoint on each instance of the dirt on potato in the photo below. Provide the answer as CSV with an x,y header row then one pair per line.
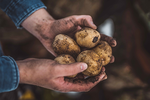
x,y
104,51
63,44
65,59
87,37
92,60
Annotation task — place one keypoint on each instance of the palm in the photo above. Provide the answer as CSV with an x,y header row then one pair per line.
x,y
69,26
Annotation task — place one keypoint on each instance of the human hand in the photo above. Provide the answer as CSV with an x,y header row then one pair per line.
x,y
45,28
69,26
51,75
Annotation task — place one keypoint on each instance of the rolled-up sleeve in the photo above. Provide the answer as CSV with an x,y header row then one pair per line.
x,y
9,74
19,10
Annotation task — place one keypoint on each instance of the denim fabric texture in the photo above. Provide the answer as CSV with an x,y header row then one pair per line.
x,y
9,74
19,10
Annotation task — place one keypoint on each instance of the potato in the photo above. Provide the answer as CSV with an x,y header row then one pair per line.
x,y
65,59
87,37
64,44
104,51
93,61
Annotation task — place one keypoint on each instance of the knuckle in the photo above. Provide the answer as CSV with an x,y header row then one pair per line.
x,y
89,16
74,17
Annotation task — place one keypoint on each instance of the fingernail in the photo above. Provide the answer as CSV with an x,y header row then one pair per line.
x,y
105,78
83,66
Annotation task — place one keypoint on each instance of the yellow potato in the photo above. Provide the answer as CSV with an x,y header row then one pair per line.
x,y
104,51
65,59
64,44
93,61
87,37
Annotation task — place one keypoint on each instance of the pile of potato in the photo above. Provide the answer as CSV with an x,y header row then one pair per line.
x,y
98,54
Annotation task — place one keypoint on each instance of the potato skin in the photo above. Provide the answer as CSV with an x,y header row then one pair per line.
x,y
104,51
65,59
64,44
87,37
92,60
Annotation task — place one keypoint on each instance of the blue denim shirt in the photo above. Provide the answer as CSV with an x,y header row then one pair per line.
x,y
9,74
18,11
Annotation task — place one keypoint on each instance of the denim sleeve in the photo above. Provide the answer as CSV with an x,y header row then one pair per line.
x,y
19,10
9,74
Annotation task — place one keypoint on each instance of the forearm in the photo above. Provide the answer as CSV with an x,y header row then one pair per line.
x,y
19,10
37,24
31,70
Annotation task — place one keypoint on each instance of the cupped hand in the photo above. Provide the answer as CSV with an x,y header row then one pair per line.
x,y
69,26
111,41
51,75
48,73
45,27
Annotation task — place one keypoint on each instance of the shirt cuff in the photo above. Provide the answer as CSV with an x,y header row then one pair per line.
x,y
9,74
20,10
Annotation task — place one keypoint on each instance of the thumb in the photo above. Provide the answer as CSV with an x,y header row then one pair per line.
x,y
70,69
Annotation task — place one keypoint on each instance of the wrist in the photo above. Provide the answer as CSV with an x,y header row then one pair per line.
x,y
38,23
21,71
42,31
24,71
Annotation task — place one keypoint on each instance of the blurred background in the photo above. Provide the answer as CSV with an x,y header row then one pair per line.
x,y
128,21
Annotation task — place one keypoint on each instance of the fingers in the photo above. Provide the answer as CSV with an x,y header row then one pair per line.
x,y
111,41
85,85
104,78
70,69
112,59
96,78
85,20
71,24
